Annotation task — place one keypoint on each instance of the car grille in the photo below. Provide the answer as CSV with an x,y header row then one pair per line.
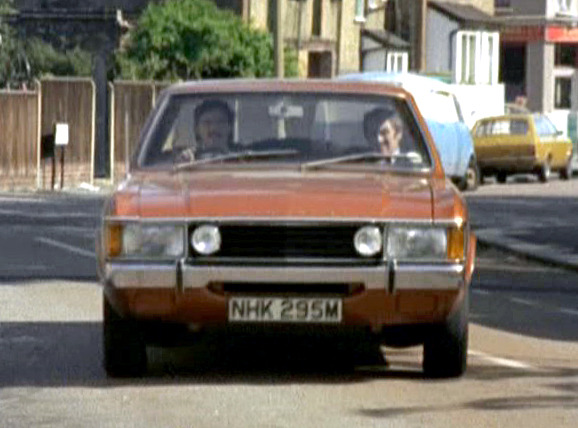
x,y
266,242
286,289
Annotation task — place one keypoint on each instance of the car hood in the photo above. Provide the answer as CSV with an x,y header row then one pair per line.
x,y
275,194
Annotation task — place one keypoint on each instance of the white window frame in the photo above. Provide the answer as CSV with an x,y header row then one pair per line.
x,y
483,67
392,60
566,8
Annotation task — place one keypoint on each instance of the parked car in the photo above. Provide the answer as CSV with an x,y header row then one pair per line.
x,y
521,143
256,204
443,114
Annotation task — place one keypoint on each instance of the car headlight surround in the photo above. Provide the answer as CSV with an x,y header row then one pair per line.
x,y
421,243
368,241
206,239
133,240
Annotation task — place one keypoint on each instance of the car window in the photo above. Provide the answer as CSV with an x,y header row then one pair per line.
x,y
502,127
544,128
552,130
306,126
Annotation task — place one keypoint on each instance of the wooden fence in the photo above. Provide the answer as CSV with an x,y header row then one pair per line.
x,y
70,101
19,134
28,117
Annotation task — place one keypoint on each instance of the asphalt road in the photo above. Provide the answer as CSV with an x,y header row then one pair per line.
x,y
49,236
523,365
523,369
529,217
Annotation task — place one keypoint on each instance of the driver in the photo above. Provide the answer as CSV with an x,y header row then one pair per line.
x,y
213,128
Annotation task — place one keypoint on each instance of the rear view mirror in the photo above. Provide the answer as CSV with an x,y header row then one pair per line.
x,y
283,110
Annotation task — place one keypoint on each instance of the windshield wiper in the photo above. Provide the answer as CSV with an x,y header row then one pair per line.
x,y
413,157
249,154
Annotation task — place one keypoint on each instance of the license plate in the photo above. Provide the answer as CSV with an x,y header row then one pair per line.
x,y
290,309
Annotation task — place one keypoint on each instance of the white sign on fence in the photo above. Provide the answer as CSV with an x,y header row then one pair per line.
x,y
61,134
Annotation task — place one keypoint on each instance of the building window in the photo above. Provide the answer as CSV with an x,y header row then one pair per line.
x,y
565,7
476,57
565,55
562,92
316,27
359,11
397,62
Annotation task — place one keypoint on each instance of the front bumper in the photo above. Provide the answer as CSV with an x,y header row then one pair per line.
x,y
390,277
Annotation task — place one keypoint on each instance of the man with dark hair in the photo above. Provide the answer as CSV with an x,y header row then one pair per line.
x,y
383,129
213,127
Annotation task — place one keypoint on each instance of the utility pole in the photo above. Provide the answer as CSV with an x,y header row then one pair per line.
x,y
278,36
420,30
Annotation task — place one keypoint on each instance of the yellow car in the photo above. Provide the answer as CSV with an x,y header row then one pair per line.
x,y
521,143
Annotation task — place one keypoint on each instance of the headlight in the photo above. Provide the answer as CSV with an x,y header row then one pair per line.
x,y
206,239
138,240
417,243
368,241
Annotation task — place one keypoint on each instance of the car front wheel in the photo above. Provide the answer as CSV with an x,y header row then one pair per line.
x,y
471,179
501,177
446,348
544,172
123,344
566,172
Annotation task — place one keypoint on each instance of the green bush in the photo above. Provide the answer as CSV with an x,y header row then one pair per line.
x,y
22,61
194,39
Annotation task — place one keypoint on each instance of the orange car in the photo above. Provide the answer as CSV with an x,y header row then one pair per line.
x,y
257,204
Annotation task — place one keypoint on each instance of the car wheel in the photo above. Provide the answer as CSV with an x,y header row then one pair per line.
x,y
471,179
501,177
566,172
544,171
123,344
445,350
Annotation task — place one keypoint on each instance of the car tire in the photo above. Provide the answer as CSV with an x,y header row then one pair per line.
x,y
123,345
471,179
566,172
501,177
445,350
544,172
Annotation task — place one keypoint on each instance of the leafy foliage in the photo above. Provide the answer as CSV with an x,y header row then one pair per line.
x,y
22,61
193,39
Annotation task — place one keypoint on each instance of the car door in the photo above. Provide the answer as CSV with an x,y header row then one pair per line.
x,y
554,144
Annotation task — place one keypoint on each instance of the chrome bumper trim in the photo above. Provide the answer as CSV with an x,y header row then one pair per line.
x,y
200,276
428,277
122,275
404,277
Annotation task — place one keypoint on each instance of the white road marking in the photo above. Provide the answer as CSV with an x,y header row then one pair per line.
x,y
569,311
523,301
505,362
19,340
67,247
481,292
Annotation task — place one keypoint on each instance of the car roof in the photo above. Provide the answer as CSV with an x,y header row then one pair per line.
x,y
286,85
410,81
524,116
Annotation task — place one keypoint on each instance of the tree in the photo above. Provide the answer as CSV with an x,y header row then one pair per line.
x,y
194,39
22,61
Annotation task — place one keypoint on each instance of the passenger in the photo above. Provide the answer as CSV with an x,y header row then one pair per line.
x,y
383,129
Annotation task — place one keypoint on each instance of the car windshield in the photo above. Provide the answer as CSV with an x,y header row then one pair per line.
x,y
318,129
